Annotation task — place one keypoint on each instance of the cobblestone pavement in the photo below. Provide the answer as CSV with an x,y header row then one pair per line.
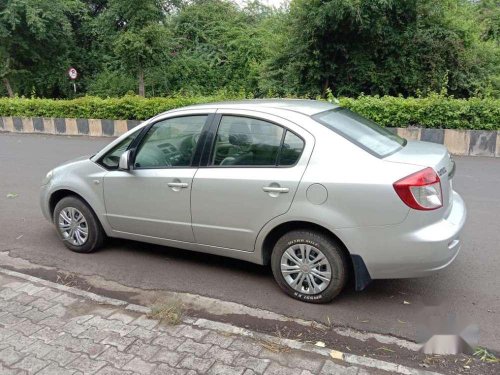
x,y
44,330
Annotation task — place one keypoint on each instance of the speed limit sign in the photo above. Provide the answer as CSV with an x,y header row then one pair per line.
x,y
72,73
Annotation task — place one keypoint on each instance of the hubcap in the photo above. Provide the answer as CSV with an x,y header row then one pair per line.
x,y
306,269
73,226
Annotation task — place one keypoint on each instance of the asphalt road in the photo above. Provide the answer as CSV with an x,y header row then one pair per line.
x,y
470,287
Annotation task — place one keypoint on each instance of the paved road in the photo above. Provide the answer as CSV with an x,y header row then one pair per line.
x,y
469,287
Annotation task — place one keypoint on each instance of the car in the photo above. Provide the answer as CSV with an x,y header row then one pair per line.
x,y
312,189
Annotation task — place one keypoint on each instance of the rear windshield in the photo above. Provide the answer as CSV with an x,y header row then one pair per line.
x,y
363,132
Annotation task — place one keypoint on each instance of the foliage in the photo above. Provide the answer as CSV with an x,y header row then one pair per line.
x,y
163,47
435,111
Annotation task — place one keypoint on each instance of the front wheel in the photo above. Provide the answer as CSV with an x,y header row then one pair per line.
x,y
309,266
77,225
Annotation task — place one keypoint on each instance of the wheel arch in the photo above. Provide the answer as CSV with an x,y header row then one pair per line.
x,y
357,267
57,195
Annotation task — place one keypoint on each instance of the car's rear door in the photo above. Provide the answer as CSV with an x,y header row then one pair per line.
x,y
250,171
153,197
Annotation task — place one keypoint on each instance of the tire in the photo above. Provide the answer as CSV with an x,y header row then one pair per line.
x,y
73,208
297,242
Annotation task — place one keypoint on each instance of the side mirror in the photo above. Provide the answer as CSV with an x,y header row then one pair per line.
x,y
124,164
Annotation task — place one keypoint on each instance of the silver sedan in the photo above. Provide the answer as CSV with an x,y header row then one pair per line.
x,y
315,190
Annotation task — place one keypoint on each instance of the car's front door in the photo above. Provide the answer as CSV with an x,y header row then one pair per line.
x,y
153,197
250,177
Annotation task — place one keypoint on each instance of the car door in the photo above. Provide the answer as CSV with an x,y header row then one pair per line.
x,y
153,197
250,176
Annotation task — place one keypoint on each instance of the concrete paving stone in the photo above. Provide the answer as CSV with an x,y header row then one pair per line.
x,y
249,372
138,366
250,347
38,349
57,310
103,311
190,346
10,356
86,365
26,327
34,314
14,285
192,333
5,333
142,333
115,357
51,321
55,369
122,317
25,299
222,369
200,365
9,319
110,325
18,341
65,299
74,328
47,294
9,371
30,364
307,372
143,350
331,367
30,288
295,359
7,294
62,356
258,365
168,341
80,345
276,369
145,322
164,369
47,334
81,319
108,370
121,342
94,334
167,356
15,307
218,339
221,355
169,329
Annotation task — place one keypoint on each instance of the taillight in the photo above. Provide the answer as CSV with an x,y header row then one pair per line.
x,y
421,190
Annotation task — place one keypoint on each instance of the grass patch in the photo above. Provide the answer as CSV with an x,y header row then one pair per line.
x,y
168,313
485,356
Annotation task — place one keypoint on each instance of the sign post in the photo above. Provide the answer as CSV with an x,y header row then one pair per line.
x,y
73,75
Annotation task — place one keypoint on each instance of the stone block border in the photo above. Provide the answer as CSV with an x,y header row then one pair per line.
x,y
459,142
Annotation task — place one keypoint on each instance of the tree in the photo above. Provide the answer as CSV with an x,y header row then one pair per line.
x,y
35,40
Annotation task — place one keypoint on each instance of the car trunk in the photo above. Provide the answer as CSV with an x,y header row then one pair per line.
x,y
432,155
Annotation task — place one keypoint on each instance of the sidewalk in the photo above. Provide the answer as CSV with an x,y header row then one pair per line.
x,y
47,328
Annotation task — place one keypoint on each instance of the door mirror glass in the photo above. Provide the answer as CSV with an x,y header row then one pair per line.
x,y
124,164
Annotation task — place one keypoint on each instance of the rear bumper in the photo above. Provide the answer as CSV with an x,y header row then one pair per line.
x,y
409,249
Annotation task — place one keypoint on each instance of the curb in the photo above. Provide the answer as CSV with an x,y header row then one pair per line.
x,y
458,142
350,359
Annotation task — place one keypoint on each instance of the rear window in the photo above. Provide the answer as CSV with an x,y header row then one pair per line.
x,y
363,132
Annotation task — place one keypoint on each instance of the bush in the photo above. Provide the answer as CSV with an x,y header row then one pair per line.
x,y
435,111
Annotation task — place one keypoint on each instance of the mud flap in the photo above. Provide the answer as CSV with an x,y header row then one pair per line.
x,y
361,274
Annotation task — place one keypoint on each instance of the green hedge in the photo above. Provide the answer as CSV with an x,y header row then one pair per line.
x,y
435,111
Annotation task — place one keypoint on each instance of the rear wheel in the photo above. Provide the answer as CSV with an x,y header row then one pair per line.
x,y
77,225
309,266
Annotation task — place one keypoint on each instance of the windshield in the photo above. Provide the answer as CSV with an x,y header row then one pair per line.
x,y
361,131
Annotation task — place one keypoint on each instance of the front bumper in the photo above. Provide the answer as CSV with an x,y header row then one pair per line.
x,y
409,249
44,201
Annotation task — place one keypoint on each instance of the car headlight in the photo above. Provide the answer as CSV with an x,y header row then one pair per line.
x,y
48,177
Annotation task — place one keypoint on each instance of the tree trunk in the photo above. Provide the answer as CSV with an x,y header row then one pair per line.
x,y
142,90
8,87
326,83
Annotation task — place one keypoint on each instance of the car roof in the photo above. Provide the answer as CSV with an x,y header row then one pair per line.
x,y
304,106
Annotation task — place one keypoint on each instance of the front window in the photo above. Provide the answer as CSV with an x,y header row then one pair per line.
x,y
112,158
361,131
170,143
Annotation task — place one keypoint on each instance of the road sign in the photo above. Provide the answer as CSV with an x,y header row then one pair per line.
x,y
72,73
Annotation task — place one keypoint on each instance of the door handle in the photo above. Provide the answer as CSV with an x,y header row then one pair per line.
x,y
181,185
275,189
